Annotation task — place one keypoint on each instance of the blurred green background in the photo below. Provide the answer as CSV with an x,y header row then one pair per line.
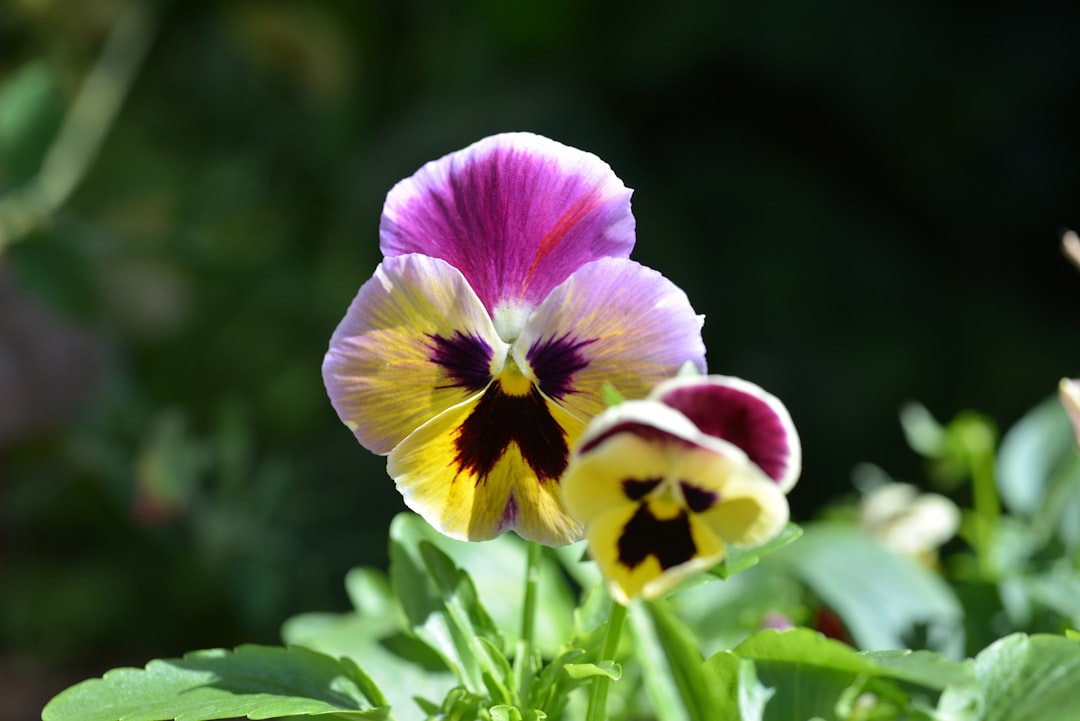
x,y
865,199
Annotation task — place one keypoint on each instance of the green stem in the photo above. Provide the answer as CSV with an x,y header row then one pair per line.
x,y
612,634
523,665
986,502
84,127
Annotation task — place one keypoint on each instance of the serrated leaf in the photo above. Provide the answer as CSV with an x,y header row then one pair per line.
x,y
740,559
924,668
258,682
804,646
1022,678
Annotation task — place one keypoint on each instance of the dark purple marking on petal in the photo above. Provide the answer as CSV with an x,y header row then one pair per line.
x,y
668,540
738,418
466,358
643,431
698,499
554,361
500,419
510,512
635,489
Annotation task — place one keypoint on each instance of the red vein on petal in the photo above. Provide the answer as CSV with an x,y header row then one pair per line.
x,y
573,215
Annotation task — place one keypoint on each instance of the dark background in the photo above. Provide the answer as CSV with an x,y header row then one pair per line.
x,y
865,199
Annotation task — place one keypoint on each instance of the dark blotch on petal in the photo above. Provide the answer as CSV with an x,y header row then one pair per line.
x,y
636,489
698,499
668,540
738,418
554,361
641,430
466,358
500,419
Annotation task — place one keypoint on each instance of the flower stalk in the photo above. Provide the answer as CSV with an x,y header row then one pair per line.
x,y
523,659
598,695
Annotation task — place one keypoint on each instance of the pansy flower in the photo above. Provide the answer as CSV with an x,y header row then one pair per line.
x,y
662,485
480,348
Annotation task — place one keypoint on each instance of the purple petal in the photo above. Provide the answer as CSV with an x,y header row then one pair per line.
x,y
742,414
613,321
516,213
414,342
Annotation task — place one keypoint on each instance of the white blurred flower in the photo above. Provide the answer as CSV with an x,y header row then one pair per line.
x,y
908,521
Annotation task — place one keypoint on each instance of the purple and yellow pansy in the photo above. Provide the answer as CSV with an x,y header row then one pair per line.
x,y
480,348
663,484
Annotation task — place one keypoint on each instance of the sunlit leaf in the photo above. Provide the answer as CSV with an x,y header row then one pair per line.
x,y
497,569
661,636
810,675
740,559
1022,678
254,681
372,635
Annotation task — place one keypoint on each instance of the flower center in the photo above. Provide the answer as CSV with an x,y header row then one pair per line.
x,y
509,318
514,380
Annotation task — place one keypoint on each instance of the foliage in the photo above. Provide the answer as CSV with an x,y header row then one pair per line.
x,y
439,636
228,214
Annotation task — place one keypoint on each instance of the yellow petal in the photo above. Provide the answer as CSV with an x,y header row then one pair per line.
x,y
751,511
490,465
620,551
593,482
414,342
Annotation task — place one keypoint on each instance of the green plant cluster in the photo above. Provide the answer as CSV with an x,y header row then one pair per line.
x,y
982,636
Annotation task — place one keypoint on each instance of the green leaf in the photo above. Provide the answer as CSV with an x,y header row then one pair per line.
x,y
459,595
497,570
924,668
740,559
753,695
661,635
1030,454
1022,678
403,666
580,671
1038,473
254,681
30,112
444,609
801,690
512,713
812,676
611,395
882,597
804,646
656,673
